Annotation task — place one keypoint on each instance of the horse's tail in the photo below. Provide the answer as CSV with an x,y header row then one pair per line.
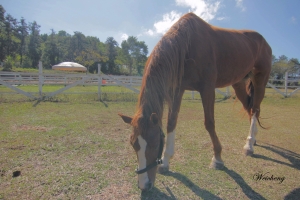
x,y
250,93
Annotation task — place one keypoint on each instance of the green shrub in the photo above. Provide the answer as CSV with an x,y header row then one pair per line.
x,y
8,64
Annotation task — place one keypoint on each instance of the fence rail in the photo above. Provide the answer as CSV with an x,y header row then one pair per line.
x,y
13,79
19,78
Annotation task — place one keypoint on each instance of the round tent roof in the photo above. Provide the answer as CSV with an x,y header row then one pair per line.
x,y
69,66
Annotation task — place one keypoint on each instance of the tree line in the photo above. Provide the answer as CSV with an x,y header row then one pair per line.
x,y
22,45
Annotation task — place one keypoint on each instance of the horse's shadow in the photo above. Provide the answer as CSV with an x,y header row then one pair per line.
x,y
202,193
294,194
247,190
157,194
293,157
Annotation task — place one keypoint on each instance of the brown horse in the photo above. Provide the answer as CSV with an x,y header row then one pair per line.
x,y
194,55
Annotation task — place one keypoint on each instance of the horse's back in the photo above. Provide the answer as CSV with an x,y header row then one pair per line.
x,y
230,54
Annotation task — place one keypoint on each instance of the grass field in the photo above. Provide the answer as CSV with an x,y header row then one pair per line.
x,y
80,150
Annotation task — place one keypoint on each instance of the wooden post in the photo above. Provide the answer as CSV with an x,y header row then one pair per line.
x,y
99,82
41,78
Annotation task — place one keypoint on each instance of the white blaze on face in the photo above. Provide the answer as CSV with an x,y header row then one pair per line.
x,y
143,178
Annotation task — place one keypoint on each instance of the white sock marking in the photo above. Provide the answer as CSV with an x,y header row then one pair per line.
x,y
252,133
143,178
169,151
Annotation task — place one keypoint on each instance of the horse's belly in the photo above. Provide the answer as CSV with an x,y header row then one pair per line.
x,y
230,75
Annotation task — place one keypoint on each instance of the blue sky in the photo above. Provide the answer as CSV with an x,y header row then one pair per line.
x,y
277,20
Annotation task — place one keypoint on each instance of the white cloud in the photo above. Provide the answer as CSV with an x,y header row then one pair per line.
x,y
120,37
124,36
207,10
202,8
239,3
168,20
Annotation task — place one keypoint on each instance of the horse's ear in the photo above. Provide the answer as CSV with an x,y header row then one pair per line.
x,y
154,118
125,118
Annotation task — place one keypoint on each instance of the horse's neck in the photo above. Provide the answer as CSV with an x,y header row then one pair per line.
x,y
151,100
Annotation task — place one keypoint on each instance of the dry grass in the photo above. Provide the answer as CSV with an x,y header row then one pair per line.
x,y
81,151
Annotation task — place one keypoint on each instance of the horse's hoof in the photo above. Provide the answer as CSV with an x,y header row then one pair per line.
x,y
216,164
248,152
255,143
162,169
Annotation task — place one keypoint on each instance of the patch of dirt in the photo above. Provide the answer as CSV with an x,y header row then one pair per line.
x,y
30,128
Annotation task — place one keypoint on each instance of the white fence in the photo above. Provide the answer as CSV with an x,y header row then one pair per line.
x,y
287,87
19,78
13,79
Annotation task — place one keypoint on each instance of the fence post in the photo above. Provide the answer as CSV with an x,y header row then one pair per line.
x,y
227,91
41,78
193,95
99,81
286,84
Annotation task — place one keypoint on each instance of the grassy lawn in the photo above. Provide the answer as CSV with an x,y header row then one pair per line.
x,y
80,150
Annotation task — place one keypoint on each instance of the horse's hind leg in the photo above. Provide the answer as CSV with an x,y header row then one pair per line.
x,y
170,141
243,93
208,101
251,95
259,81
251,139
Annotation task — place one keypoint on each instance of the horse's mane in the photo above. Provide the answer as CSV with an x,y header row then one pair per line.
x,y
164,70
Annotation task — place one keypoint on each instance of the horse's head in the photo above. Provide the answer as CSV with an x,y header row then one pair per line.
x,y
148,142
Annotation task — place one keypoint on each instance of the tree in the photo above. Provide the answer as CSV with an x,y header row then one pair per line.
x,y
78,45
281,65
111,48
134,54
89,57
34,46
295,65
10,40
142,57
2,36
50,53
2,11
23,32
63,45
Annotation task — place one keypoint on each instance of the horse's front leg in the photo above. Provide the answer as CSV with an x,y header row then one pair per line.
x,y
168,153
208,100
170,140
